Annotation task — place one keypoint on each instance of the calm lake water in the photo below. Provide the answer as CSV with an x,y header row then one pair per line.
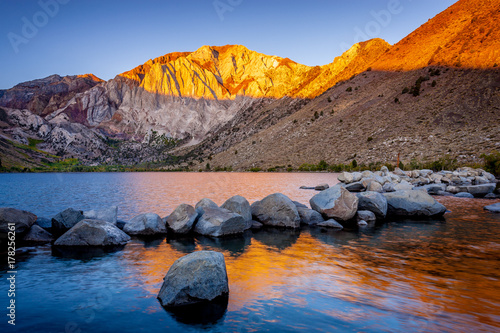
x,y
412,276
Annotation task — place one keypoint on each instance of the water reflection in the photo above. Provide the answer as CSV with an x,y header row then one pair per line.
x,y
206,314
83,253
233,245
277,238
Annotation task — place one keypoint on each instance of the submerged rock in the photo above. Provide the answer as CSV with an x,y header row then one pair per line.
x,y
182,219
197,277
495,208
321,187
365,215
218,222
331,223
336,203
464,195
276,210
22,220
145,225
93,233
413,203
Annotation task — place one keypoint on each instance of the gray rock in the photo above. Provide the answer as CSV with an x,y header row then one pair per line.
x,y
93,233
204,203
452,189
303,187
384,170
480,180
182,219
299,205
145,225
321,187
38,235
197,277
277,210
464,195
413,203
389,187
106,214
66,220
120,224
366,215
399,172
256,225
44,223
336,203
425,173
374,202
331,223
403,186
490,196
309,216
346,177
239,205
22,220
375,187
495,208
481,190
218,222
445,194
355,187
362,223
356,176
432,188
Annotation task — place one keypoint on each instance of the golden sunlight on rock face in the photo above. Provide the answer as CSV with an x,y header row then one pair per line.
x,y
232,70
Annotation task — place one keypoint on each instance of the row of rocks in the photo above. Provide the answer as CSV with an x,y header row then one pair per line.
x,y
464,182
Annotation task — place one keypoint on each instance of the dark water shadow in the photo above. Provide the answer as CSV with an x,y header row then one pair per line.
x,y
150,241
236,244
278,238
84,252
203,315
185,244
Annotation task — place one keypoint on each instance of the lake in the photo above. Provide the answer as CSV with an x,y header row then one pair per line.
x,y
414,276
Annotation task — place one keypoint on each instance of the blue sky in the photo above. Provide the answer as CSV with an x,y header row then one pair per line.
x,y
43,37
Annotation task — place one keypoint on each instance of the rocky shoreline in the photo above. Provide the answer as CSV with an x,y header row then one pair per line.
x,y
360,199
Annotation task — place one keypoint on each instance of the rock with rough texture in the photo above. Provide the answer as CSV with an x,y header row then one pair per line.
x,y
218,222
355,187
464,195
374,202
321,187
93,233
331,223
336,203
490,196
22,220
204,203
38,235
299,205
239,205
481,190
145,225
345,177
182,219
309,216
106,214
495,208
375,186
66,220
197,277
365,215
403,186
276,210
413,203
389,187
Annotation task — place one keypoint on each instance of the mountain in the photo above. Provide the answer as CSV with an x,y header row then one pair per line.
x,y
432,95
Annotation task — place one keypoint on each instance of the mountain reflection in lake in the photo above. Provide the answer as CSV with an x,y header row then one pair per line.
x,y
414,276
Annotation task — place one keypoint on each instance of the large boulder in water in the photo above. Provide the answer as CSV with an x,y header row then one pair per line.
x,y
66,220
239,205
109,214
413,203
374,202
276,210
217,222
182,219
204,203
145,225
21,219
93,233
336,203
38,235
195,278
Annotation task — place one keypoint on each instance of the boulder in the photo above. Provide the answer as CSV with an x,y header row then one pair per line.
x,y
399,172
362,223
145,225
425,173
218,222
375,186
346,177
38,235
109,214
464,195
331,223
384,171
356,176
22,220
480,180
298,204
204,203
182,219
355,187
93,233
403,186
488,176
481,190
367,174
256,225
321,187
303,187
239,205
495,208
66,220
490,196
365,215
445,194
452,189
413,203
44,223
389,187
374,202
336,203
195,278
309,216
277,210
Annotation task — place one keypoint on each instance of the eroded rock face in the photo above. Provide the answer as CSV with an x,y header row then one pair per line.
x,y
93,233
197,277
182,219
413,203
145,225
218,222
336,203
22,220
276,210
